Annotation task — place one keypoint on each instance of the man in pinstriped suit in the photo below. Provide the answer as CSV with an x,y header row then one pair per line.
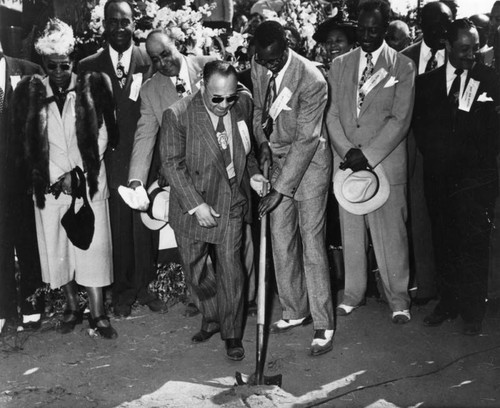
x,y
205,148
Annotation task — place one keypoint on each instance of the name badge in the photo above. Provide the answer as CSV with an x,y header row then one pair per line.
x,y
467,98
373,81
14,80
245,136
280,103
135,87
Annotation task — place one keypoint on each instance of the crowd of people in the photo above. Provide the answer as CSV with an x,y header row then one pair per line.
x,y
404,135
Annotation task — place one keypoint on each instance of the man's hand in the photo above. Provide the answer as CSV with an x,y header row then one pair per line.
x,y
257,182
162,180
206,216
265,155
134,184
354,160
66,183
269,202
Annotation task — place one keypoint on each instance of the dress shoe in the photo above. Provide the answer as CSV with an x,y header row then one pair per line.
x,y
401,316
437,318
472,328
122,310
156,305
322,342
204,335
344,310
67,326
108,332
234,349
284,325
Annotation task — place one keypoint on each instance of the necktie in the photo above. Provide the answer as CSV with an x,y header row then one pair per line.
x,y
223,141
120,71
432,63
367,73
180,87
267,120
455,88
2,97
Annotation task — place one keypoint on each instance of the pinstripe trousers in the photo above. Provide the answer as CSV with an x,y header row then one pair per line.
x,y
218,294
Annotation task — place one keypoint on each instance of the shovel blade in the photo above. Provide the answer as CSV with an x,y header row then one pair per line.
x,y
252,380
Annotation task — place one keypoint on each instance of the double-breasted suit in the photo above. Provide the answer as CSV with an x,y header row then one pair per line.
x,y
459,149
380,131
134,246
194,167
157,94
301,172
17,217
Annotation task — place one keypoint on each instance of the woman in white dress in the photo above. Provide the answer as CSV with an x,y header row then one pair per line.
x,y
65,121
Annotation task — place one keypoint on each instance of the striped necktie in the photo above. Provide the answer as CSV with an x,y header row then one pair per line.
x,y
367,73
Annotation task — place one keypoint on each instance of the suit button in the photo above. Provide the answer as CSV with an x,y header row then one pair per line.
x,y
359,145
358,126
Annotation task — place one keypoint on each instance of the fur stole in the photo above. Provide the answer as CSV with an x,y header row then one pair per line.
x,y
94,106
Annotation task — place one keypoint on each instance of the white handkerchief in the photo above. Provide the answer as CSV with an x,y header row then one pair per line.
x,y
391,82
135,87
484,98
136,199
14,80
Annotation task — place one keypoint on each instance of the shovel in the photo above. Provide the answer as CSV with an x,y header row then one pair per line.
x,y
258,378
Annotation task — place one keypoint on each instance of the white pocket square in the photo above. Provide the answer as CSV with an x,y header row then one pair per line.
x,y
484,98
391,82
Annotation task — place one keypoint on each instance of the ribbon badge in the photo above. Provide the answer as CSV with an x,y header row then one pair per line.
x,y
222,139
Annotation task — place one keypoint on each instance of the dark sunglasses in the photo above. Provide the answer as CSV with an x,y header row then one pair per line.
x,y
65,66
270,62
229,99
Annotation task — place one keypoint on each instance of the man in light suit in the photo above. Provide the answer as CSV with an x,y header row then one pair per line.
x,y
290,96
427,54
134,246
17,217
177,76
368,127
205,140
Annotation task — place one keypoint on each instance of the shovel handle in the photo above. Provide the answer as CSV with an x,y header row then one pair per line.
x,y
261,289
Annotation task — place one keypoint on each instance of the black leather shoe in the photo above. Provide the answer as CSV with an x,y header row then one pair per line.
x,y
122,310
472,328
68,326
234,350
437,318
108,332
156,305
191,310
203,335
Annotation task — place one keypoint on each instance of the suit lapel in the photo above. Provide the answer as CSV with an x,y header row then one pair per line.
x,y
353,96
206,131
382,62
239,159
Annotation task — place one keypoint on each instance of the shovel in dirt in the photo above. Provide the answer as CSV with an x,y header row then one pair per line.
x,y
258,378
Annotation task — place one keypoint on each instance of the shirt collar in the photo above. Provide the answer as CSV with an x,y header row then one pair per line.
x,y
126,56
375,54
285,67
427,51
183,74
450,71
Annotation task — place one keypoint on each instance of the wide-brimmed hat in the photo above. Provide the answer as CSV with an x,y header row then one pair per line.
x,y
335,23
156,217
361,192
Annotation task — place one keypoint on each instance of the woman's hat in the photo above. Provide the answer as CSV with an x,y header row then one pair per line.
x,y
363,191
335,23
156,217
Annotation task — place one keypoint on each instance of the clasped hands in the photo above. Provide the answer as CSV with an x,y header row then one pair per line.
x,y
64,184
354,160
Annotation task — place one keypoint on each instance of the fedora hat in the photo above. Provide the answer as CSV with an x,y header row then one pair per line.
x,y
361,192
335,23
156,217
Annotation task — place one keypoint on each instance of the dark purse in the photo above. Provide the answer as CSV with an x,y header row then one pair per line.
x,y
79,226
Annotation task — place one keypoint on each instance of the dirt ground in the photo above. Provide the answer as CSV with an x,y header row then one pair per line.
x,y
154,364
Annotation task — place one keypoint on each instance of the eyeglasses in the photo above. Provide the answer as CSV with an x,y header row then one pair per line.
x,y
270,62
229,99
114,22
65,66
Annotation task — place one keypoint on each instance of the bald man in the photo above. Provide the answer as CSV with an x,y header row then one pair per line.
x,y
398,35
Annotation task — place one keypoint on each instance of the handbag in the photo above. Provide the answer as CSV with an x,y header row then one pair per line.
x,y
79,226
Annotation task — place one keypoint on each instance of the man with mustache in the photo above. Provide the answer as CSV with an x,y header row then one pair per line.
x,y
456,129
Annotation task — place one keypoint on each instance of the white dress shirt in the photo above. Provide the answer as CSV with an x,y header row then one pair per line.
x,y
125,60
3,73
425,56
184,75
450,77
281,74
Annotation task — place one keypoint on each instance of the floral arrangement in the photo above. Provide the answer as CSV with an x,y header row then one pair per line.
x,y
185,25
170,284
